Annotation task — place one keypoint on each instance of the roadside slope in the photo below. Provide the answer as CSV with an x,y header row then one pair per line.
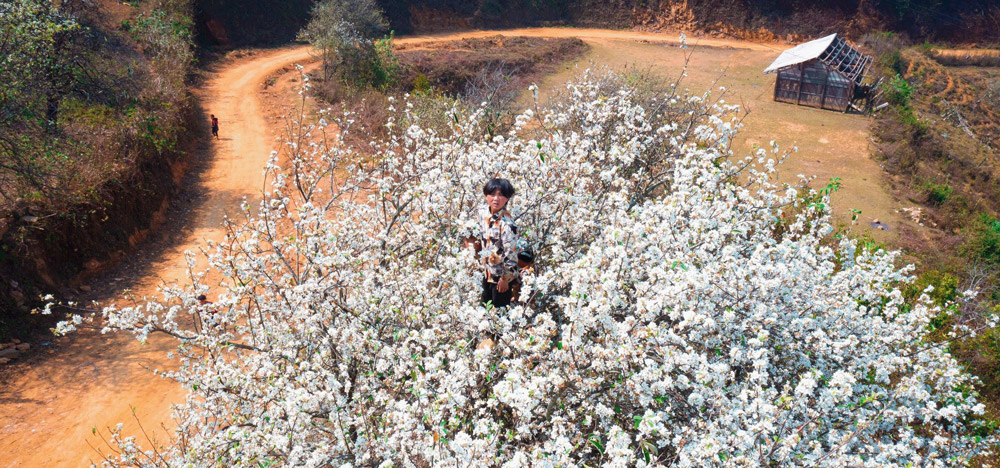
x,y
49,405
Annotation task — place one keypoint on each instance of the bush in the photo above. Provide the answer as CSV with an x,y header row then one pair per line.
x,y
937,194
78,108
375,65
886,47
898,91
945,287
983,242
89,121
421,84
982,355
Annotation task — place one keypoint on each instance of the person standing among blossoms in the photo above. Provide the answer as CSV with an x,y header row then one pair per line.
x,y
498,237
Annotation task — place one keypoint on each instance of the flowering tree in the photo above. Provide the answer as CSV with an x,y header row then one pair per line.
x,y
687,311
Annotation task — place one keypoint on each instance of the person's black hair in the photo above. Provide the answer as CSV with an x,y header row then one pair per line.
x,y
495,184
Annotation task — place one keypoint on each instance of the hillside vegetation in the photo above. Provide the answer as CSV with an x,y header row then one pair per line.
x,y
92,104
234,22
952,20
939,141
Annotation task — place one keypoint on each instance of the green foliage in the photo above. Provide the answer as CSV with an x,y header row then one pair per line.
x,y
983,240
387,67
39,62
892,60
343,33
167,39
945,287
421,84
938,193
886,47
40,65
74,105
374,66
898,91
982,355
85,108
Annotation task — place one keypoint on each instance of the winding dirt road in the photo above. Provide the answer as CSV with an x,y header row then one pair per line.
x,y
52,403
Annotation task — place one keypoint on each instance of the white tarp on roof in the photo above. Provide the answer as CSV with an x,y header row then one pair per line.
x,y
801,53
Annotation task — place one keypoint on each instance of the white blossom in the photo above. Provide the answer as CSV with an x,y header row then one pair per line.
x,y
685,311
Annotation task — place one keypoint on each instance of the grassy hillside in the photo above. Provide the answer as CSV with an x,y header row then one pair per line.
x,y
939,141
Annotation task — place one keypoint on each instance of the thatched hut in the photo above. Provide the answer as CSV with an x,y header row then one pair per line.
x,y
827,73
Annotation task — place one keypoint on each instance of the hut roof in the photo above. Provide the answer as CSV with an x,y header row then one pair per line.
x,y
831,50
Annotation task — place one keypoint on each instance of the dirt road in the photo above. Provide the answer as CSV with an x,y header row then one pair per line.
x,y
49,407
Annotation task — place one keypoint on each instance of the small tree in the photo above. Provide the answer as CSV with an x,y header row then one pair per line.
x,y
343,30
39,65
38,61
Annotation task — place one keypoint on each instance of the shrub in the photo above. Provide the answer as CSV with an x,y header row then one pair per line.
x,y
372,65
938,193
886,48
983,242
898,91
945,287
166,36
421,84
982,355
77,108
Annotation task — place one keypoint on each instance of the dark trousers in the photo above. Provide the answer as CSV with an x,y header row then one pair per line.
x,y
491,295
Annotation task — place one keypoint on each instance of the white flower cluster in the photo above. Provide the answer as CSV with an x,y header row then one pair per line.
x,y
685,311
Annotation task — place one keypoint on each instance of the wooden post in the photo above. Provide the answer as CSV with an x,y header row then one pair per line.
x,y
826,83
850,99
798,97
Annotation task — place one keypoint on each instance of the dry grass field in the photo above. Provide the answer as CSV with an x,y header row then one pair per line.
x,y
830,144
967,57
